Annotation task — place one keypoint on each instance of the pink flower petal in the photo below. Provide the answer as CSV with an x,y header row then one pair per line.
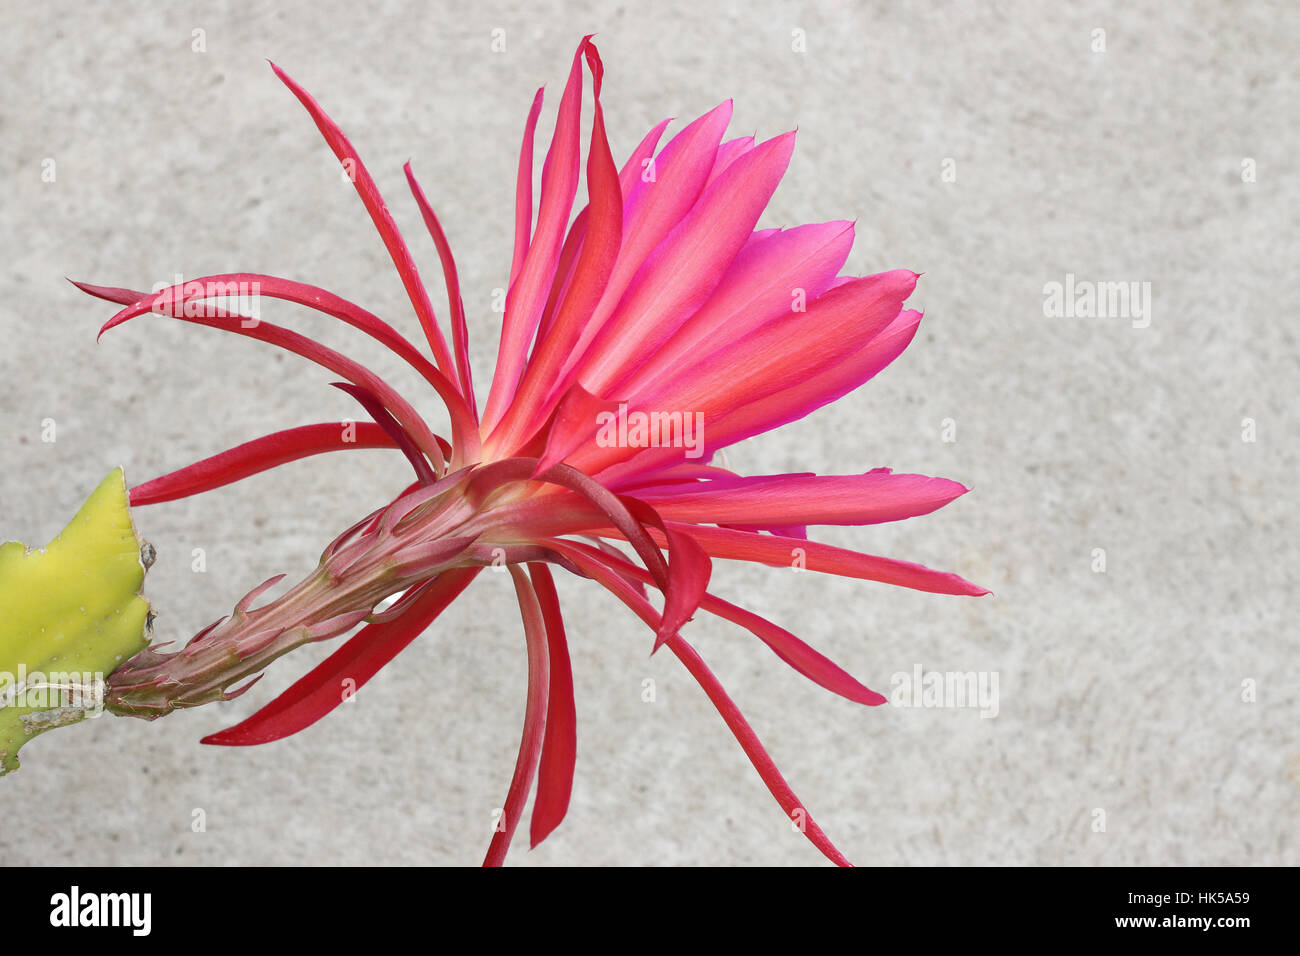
x,y
524,189
685,269
689,570
596,259
663,194
573,424
819,389
774,359
758,286
872,498
527,296
756,752
628,177
375,409
790,649
786,351
728,153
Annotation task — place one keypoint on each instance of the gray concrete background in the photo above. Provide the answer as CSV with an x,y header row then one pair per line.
x,y
1120,691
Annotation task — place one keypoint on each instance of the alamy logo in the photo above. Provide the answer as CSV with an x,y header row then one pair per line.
x,y
624,429
957,689
196,299
1083,299
56,690
75,908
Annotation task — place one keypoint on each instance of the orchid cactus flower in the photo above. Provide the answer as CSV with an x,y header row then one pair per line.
x,y
640,337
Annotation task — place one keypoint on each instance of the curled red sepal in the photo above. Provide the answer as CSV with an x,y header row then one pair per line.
x,y
560,745
189,301
382,218
689,570
530,746
739,727
346,670
459,328
375,409
789,648
260,454
218,318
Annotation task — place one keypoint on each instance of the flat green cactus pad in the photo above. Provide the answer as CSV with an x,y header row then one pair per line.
x,y
70,613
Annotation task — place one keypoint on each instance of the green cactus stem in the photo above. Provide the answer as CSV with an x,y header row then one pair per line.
x,y
70,613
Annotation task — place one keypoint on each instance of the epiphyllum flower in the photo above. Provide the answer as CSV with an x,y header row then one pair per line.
x,y
659,299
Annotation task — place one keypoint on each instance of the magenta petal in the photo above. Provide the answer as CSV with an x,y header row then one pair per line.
x,y
527,296
755,751
573,244
524,189
786,351
818,389
728,153
111,293
170,300
664,193
807,661
769,362
689,569
591,271
665,190
634,169
765,414
767,279
629,175
684,270
872,498
309,349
